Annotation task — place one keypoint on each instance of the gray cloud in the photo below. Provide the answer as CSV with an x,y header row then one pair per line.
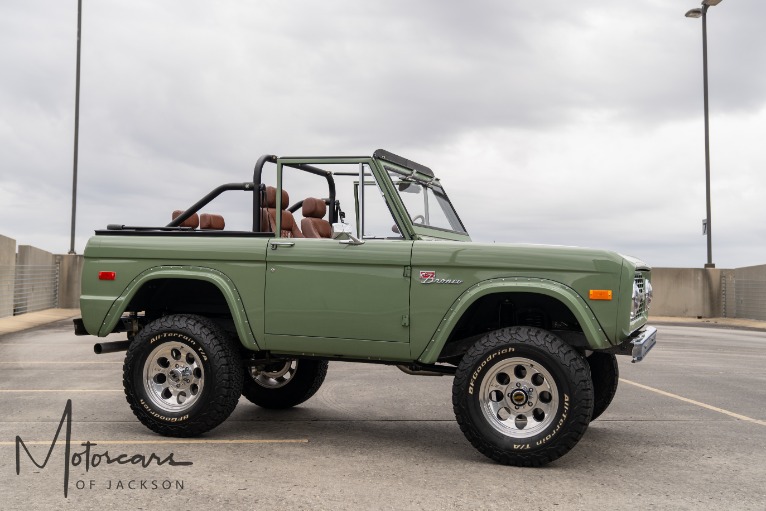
x,y
584,104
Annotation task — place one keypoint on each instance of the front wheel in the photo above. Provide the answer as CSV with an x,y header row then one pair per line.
x,y
283,384
522,396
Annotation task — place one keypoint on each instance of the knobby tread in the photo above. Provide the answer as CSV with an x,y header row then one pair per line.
x,y
576,370
223,375
605,374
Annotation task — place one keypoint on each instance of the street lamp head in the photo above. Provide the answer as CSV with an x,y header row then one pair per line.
x,y
711,2
694,13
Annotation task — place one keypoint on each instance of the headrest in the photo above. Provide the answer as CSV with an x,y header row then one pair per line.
x,y
314,208
211,222
192,221
271,198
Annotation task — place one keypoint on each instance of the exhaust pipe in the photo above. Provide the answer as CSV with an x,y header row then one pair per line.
x,y
110,347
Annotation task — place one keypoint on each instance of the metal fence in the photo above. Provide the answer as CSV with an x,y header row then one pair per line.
x,y
28,288
750,299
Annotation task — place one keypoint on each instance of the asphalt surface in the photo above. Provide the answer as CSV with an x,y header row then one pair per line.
x,y
687,430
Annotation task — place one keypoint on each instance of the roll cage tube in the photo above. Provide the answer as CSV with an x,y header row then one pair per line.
x,y
258,186
204,201
258,189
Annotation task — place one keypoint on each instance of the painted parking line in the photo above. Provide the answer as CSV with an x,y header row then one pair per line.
x,y
8,391
696,403
170,442
37,344
63,362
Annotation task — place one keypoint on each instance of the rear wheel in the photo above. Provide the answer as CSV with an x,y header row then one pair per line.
x,y
283,384
182,375
522,396
605,374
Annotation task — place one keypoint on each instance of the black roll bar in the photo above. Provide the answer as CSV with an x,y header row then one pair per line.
x,y
258,186
204,201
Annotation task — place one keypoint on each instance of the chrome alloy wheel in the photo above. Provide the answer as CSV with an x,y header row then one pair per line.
x,y
173,377
519,397
274,376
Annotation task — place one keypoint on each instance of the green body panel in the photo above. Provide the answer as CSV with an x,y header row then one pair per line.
x,y
215,277
566,273
593,331
137,260
320,291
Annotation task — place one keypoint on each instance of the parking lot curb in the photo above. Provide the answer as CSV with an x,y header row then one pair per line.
x,y
13,324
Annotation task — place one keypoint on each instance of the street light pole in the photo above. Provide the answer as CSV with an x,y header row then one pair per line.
x,y
702,13
76,126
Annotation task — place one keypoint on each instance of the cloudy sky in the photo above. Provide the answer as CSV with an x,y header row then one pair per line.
x,y
557,122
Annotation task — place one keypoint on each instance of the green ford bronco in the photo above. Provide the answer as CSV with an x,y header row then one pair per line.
x,y
211,313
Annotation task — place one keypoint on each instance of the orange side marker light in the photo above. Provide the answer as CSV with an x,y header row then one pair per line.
x,y
601,294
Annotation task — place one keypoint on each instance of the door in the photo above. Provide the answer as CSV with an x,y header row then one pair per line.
x,y
335,298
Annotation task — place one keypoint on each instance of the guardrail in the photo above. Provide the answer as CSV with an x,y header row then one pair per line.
x,y
35,287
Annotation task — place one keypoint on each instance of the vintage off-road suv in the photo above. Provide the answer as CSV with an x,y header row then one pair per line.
x,y
530,333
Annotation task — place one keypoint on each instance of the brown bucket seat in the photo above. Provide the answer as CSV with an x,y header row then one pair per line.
x,y
313,224
289,228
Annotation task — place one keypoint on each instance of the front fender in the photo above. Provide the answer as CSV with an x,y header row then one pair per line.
x,y
594,334
215,277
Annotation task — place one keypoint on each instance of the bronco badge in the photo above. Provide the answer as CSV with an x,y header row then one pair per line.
x,y
429,277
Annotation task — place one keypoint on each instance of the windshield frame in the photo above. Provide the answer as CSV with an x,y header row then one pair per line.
x,y
430,183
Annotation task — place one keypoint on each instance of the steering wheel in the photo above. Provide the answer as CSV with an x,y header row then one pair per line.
x,y
421,217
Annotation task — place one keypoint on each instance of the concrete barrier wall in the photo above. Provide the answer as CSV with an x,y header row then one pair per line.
x,y
70,274
7,275
688,292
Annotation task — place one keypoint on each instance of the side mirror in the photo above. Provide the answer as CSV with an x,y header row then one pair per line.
x,y
340,230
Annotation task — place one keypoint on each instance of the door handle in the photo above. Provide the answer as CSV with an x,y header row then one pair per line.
x,y
351,241
275,244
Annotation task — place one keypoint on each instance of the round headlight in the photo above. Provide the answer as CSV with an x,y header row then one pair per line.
x,y
649,293
635,301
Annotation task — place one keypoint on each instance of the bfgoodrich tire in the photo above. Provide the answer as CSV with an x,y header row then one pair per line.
x,y
522,396
182,375
283,384
605,375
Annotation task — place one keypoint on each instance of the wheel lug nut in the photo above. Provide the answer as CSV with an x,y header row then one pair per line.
x,y
518,384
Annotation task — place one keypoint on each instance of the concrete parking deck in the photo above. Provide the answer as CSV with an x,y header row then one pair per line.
x,y
686,431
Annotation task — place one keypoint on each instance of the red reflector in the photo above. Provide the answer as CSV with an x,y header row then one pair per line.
x,y
106,275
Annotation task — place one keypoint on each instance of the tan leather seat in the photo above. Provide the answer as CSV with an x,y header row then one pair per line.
x,y
313,224
211,222
192,221
289,228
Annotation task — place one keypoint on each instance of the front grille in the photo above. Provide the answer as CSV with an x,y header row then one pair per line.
x,y
640,282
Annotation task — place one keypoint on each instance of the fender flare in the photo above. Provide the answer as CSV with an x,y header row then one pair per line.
x,y
215,277
595,335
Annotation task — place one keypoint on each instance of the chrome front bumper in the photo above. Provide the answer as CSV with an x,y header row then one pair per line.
x,y
643,342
